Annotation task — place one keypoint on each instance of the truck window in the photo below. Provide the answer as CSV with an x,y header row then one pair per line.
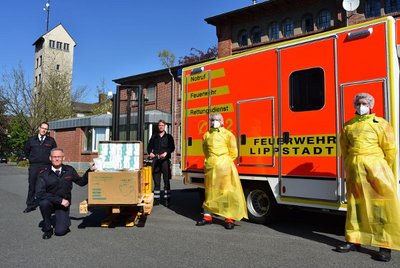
x,y
307,90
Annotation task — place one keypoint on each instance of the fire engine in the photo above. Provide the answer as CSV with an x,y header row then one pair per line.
x,y
286,103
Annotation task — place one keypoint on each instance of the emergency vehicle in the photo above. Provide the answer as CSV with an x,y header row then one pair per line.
x,y
286,104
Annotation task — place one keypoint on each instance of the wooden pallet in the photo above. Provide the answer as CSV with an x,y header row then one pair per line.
x,y
134,214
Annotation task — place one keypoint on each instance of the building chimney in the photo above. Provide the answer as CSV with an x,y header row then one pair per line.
x,y
254,2
102,97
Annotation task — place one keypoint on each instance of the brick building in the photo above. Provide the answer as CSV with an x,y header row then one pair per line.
x,y
79,137
276,20
162,91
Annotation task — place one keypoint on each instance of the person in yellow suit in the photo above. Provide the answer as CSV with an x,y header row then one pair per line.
x,y
223,190
368,148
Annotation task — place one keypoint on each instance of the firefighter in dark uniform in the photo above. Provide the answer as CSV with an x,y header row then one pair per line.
x,y
160,147
37,150
53,193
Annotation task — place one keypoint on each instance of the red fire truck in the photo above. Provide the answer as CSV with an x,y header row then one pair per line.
x,y
286,103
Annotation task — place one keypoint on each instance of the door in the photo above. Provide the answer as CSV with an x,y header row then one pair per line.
x,y
256,133
308,120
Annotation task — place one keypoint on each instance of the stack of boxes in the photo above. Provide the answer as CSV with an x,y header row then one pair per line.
x,y
118,178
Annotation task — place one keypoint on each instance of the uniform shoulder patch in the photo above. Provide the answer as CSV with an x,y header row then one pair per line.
x,y
42,170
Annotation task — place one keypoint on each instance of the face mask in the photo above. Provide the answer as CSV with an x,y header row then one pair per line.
x,y
362,109
216,124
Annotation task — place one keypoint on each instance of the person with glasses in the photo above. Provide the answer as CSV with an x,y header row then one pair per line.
x,y
53,193
37,150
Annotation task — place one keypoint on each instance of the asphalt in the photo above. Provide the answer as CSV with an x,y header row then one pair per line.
x,y
169,237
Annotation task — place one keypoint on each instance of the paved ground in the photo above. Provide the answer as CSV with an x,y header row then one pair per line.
x,y
169,237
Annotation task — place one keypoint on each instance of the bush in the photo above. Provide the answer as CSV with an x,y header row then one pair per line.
x,y
12,158
23,163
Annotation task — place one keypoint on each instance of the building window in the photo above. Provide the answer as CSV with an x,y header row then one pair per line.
x,y
36,81
372,8
256,35
59,45
66,46
58,67
40,79
273,31
92,137
324,19
52,43
307,23
40,61
151,93
307,90
243,38
287,28
392,6
37,62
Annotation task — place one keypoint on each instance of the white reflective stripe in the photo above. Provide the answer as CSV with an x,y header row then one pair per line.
x,y
166,193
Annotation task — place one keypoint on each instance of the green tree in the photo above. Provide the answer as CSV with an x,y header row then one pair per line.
x,y
18,133
3,127
167,58
49,100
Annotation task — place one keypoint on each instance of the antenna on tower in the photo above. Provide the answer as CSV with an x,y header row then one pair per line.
x,y
254,2
47,9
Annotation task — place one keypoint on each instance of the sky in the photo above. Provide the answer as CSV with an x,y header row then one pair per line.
x,y
115,38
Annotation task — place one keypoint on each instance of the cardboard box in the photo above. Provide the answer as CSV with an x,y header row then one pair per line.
x,y
114,188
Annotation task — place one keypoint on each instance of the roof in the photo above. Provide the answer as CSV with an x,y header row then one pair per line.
x,y
175,70
102,120
105,120
122,80
41,39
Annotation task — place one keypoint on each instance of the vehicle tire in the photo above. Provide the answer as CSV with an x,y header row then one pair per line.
x,y
261,204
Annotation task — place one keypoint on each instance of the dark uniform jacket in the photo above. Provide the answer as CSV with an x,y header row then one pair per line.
x,y
56,188
159,145
38,153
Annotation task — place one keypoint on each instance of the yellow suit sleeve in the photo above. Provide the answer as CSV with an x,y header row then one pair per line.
x,y
343,143
232,146
387,141
205,147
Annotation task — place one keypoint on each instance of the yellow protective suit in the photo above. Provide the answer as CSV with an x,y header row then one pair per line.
x,y
223,190
373,209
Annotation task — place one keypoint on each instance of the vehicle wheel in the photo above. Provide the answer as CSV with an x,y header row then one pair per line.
x,y
261,203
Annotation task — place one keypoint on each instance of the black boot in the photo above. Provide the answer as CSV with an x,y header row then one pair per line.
x,y
347,247
384,254
203,222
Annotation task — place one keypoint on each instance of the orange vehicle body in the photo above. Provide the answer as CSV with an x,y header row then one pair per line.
x,y
286,104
